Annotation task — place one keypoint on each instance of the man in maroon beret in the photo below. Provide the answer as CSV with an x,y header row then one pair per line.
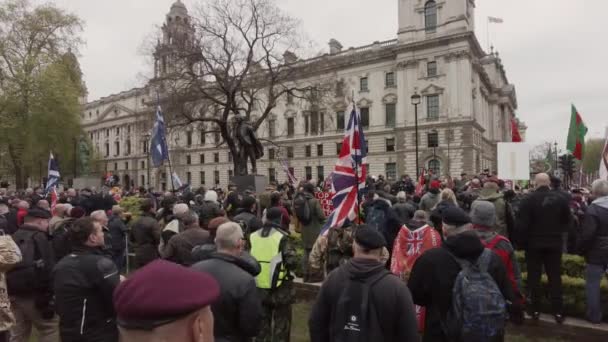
x,y
164,301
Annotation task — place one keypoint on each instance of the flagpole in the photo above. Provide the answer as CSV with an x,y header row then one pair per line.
x,y
167,145
170,165
356,162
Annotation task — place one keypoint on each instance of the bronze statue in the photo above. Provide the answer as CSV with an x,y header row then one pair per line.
x,y
249,147
84,154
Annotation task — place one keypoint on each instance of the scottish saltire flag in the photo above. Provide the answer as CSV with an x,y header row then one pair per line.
x,y
53,176
348,177
158,143
290,176
177,183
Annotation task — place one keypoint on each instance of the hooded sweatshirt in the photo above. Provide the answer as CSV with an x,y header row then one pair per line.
x,y
593,239
390,315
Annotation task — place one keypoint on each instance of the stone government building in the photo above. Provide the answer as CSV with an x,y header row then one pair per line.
x,y
466,108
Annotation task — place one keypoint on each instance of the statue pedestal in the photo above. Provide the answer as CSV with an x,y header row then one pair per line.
x,y
86,182
257,182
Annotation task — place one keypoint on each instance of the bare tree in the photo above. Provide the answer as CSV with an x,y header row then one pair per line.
x,y
236,57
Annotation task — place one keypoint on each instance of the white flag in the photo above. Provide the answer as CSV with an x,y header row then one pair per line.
x,y
495,20
604,161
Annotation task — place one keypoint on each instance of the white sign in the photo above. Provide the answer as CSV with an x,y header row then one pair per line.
x,y
514,161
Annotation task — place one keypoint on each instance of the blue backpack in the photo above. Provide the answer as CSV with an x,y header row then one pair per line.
x,y
479,310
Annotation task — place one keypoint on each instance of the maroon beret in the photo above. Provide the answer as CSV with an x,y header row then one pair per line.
x,y
77,212
162,292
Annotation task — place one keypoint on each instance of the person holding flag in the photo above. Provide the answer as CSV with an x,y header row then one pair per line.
x,y
349,175
158,142
53,181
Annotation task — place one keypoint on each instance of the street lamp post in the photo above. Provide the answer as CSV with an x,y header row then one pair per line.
x,y
416,101
555,155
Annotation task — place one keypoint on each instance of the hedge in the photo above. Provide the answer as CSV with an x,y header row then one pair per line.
x,y
572,265
573,285
575,300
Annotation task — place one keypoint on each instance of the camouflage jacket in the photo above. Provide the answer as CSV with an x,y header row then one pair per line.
x,y
9,256
319,254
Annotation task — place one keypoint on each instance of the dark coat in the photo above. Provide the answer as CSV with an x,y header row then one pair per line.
x,y
435,271
405,211
118,231
310,232
253,222
238,312
208,211
43,255
593,237
391,314
390,226
84,282
145,237
179,248
543,218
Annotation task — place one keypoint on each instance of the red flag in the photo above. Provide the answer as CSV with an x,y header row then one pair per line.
x,y
420,185
516,137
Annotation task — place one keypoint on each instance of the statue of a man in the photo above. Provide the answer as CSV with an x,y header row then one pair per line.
x,y
84,154
249,145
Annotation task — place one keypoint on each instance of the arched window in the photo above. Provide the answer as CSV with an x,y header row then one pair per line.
x,y
435,166
430,16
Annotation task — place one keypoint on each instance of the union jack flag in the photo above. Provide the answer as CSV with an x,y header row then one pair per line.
x,y
289,172
348,177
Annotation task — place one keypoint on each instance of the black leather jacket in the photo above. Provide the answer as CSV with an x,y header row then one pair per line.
x,y
84,282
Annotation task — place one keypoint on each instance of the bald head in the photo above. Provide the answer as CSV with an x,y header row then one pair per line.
x,y
542,179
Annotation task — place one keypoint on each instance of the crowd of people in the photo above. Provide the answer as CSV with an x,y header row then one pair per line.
x,y
434,259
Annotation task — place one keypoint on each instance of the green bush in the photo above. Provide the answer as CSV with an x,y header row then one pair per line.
x,y
296,239
573,293
572,265
132,204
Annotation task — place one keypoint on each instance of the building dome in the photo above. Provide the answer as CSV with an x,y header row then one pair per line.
x,y
178,9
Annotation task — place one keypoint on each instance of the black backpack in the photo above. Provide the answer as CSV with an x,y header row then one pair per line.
x,y
302,209
62,245
24,278
353,309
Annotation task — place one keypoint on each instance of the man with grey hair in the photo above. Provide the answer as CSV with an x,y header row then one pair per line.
x,y
593,245
179,247
175,226
434,274
238,312
101,217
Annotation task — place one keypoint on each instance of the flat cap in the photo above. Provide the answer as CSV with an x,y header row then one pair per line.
x,y
369,237
162,292
455,216
38,213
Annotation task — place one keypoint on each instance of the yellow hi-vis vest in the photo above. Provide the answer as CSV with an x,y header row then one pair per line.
x,y
266,250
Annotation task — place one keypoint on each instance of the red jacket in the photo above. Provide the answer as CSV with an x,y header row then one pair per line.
x,y
21,216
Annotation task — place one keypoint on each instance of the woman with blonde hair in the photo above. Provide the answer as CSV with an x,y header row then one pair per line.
x,y
447,195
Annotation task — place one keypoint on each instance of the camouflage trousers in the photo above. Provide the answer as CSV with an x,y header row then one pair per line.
x,y
276,316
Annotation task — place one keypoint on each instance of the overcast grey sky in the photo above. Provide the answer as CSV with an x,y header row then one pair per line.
x,y
554,51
